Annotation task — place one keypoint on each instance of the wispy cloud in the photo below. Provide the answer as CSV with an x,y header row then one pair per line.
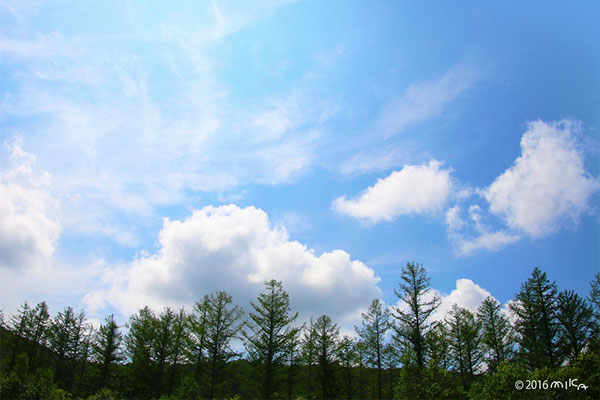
x,y
425,100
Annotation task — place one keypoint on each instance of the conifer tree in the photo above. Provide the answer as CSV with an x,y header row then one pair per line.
x,y
464,335
196,345
326,343
162,344
496,338
391,361
347,359
19,324
375,324
268,333
139,348
176,356
39,321
536,309
223,324
60,340
576,318
309,355
413,322
293,357
107,348
438,346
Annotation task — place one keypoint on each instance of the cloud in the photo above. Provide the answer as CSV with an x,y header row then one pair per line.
x,y
425,100
236,250
473,234
545,188
415,189
28,227
547,185
128,122
467,294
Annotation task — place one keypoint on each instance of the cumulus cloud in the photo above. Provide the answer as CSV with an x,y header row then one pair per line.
x,y
473,234
467,294
236,250
547,184
545,188
28,228
415,189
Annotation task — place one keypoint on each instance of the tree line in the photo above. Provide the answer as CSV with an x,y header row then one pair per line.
x,y
215,350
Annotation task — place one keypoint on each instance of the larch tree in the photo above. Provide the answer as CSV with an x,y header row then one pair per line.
x,y
19,324
418,305
326,343
38,327
347,360
267,334
309,354
575,315
496,336
464,334
223,324
536,309
375,324
107,348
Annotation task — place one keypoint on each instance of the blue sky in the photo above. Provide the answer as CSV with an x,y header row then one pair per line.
x,y
154,152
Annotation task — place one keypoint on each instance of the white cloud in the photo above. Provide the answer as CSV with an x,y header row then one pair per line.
x,y
236,250
425,100
28,228
467,294
415,189
547,184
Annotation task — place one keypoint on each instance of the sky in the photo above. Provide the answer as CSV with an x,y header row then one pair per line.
x,y
153,152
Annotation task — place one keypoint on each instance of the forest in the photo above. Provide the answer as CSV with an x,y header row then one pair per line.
x,y
545,344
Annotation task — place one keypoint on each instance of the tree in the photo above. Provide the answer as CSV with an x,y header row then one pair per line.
x,y
197,338
413,322
576,317
594,299
222,325
176,356
293,356
139,348
496,336
347,359
162,343
438,346
326,339
464,335
536,309
107,348
375,324
38,326
18,324
60,339
268,333
391,360
309,354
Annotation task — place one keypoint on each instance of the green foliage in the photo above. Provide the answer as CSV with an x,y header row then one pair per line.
x,y
105,394
536,309
576,319
464,336
375,324
268,335
496,337
413,322
175,355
